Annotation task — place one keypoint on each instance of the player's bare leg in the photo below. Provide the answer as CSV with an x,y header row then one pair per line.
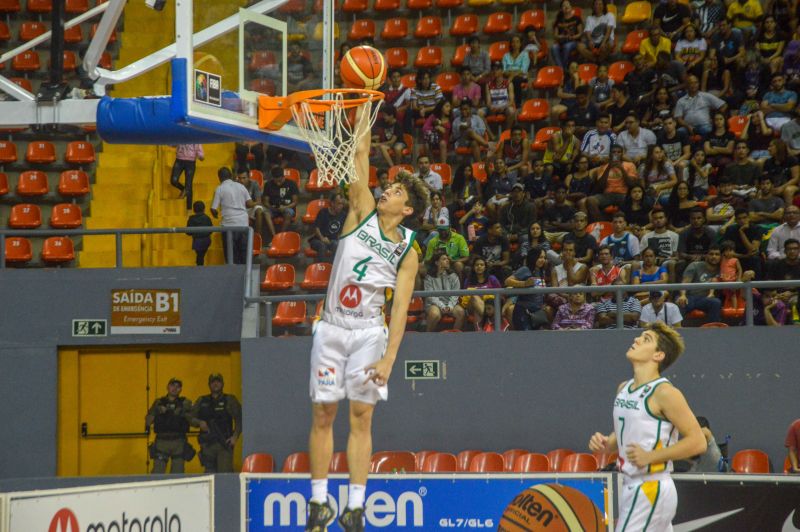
x,y
320,448
359,451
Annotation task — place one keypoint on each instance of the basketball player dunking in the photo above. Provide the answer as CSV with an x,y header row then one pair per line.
x,y
649,412
352,352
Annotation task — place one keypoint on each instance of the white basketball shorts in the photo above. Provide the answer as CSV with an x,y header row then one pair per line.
x,y
339,357
648,505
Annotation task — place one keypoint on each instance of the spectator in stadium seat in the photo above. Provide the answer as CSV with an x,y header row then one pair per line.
x,y
790,134
396,94
768,309
708,15
500,95
435,214
722,207
655,42
597,142
517,215
693,111
424,172
783,169
607,272
611,182
742,172
465,190
746,237
601,86
694,243
792,445
566,91
529,311
717,77
659,309
515,151
494,247
581,110
570,272
787,268
606,312
499,187
558,214
658,111
516,63
537,180
327,228
691,50
585,244
624,246
790,229
706,271
200,241
467,89
243,149
299,71
745,14
680,205
387,136
770,44
469,131
232,200
280,197
536,238
620,107
766,207
442,278
658,174
719,144
186,156
641,82
675,143
438,128
567,30
478,61
580,182
672,17
637,206
669,74
778,103
577,314
478,279
598,34
650,271
475,222
424,97
635,140
448,241
663,241
729,45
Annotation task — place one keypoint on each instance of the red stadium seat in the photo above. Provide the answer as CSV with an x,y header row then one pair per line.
x,y
458,56
604,459
448,80
23,83
557,456
40,6
501,22
313,208
428,57
534,109
278,277
587,71
397,58
510,456
262,59
293,6
9,6
292,174
285,244
258,463
600,230
314,186
542,137
393,462
289,313
355,6
415,310
27,61
549,77
532,463
297,463
533,18
257,176
409,81
465,459
386,5
449,4
264,86
5,33
736,124
464,25
58,249
618,70
105,61
421,456
394,29
633,40
76,6
18,250
41,152
361,29
73,183
497,50
73,35
339,463
750,461
444,170
393,170
31,29
317,276
419,4
428,28
709,325
25,216
787,465
440,463
731,312
69,61
488,462
32,183
3,184
258,243
579,463
479,172
8,152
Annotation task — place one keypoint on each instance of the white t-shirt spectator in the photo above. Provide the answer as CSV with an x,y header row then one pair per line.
x,y
433,180
696,110
636,147
669,313
232,198
596,27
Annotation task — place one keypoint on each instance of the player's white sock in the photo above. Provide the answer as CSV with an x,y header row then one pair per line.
x,y
355,496
319,490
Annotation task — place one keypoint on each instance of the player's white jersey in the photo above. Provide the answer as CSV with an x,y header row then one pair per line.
x,y
633,423
365,265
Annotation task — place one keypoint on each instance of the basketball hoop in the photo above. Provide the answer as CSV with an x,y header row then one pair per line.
x,y
333,127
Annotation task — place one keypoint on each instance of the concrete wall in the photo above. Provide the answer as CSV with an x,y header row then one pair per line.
x,y
535,390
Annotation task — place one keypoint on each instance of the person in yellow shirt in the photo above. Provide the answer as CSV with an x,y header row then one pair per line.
x,y
745,15
656,42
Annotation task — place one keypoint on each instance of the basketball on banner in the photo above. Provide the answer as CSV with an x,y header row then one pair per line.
x,y
551,507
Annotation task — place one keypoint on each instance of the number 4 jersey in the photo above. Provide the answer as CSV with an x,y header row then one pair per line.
x,y
365,265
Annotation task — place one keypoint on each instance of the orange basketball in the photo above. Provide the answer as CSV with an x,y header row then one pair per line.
x,y
551,508
363,67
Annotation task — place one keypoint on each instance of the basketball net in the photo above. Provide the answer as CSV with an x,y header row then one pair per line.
x,y
334,134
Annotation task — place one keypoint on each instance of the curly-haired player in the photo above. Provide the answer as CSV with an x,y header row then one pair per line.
x,y
353,351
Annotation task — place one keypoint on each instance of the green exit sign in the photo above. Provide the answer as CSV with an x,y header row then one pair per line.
x,y
422,369
89,328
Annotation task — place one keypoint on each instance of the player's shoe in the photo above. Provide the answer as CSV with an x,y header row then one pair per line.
x,y
319,515
352,520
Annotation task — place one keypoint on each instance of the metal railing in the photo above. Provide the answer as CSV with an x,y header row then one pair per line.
x,y
619,292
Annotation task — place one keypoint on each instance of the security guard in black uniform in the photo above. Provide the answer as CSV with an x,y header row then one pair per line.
x,y
171,416
219,416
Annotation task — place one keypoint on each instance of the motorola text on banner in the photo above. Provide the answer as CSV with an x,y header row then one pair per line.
x,y
138,311
164,506
418,502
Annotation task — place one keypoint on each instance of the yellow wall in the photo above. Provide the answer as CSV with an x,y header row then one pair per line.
x,y
111,388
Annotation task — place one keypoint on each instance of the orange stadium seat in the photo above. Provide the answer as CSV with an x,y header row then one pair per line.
x,y
419,4
731,312
600,230
428,28
73,35
18,250
5,33
27,61
619,69
293,6
285,244
73,183
32,183
533,110
479,3
58,249
440,463
361,29
557,456
397,58
386,5
449,4
396,168
709,325
313,208
464,459
31,29
40,6
258,463
498,49
76,6
289,313
459,54
533,18
23,83
542,137
579,463
501,22
8,152
604,459
394,29
258,243
488,462
297,463
69,61
428,57
549,77
3,184
317,276
586,71
339,463
633,40
105,61
373,176
421,456
355,6
314,186
9,6
750,461
444,170
409,81
41,152
278,277
636,12
415,310
787,465
464,25
532,463
261,59
393,462
292,174
448,80
736,124
510,456
479,171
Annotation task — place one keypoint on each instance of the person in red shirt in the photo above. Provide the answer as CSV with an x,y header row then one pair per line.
x,y
792,443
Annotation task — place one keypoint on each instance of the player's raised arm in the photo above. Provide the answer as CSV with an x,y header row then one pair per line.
x,y
361,199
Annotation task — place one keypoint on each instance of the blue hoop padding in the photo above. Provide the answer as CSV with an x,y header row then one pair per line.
x,y
165,120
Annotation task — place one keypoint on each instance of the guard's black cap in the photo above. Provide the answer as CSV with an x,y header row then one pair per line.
x,y
216,377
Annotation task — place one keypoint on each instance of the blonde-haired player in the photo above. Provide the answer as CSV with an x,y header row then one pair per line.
x,y
353,352
649,413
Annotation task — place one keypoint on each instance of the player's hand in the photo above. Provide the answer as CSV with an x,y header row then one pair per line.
x,y
637,456
379,372
682,301
598,442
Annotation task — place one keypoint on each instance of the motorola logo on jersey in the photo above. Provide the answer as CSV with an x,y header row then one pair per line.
x,y
64,521
350,296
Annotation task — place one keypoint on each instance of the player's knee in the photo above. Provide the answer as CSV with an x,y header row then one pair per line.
x,y
323,415
360,416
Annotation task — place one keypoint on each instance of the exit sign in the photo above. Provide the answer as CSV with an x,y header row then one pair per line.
x,y
422,369
89,328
